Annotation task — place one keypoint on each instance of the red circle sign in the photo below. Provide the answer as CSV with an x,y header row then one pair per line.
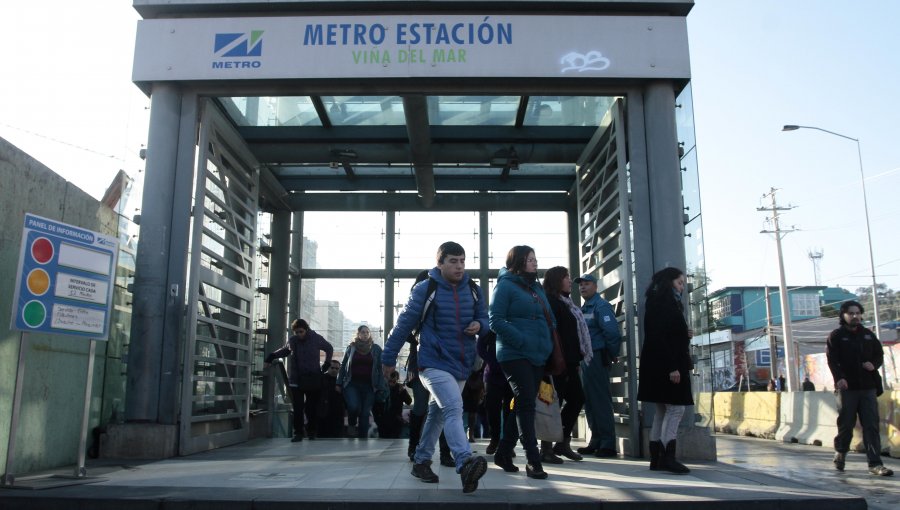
x,y
42,250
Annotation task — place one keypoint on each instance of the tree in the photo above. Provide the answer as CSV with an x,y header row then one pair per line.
x,y
887,303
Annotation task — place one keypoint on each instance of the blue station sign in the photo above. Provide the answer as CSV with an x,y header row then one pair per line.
x,y
65,280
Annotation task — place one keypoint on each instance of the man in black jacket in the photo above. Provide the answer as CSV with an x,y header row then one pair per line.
x,y
854,356
304,374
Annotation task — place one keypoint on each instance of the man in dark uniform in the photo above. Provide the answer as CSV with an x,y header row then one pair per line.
x,y
854,356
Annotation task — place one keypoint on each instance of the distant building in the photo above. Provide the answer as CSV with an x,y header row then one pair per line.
x,y
327,319
742,309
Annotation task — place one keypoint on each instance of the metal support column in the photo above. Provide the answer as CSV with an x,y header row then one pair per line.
x,y
484,264
667,206
151,292
390,247
278,279
573,242
278,293
296,264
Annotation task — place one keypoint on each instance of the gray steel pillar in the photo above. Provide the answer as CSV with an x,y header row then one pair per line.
x,y
664,171
158,293
278,280
278,291
484,264
642,237
666,216
574,249
179,245
296,264
390,248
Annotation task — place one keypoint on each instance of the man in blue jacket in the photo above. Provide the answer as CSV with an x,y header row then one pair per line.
x,y
605,341
446,353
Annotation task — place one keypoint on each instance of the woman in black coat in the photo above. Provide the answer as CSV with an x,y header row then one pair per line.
x,y
664,377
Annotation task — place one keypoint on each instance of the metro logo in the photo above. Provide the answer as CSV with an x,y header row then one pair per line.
x,y
239,44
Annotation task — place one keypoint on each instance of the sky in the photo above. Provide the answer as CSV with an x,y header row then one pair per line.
x,y
67,99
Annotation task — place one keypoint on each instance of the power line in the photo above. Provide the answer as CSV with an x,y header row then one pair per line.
x,y
63,142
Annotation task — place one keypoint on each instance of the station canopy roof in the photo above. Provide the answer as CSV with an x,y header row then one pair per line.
x,y
419,143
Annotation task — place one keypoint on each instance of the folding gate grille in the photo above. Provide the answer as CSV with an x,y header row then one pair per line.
x,y
604,226
217,353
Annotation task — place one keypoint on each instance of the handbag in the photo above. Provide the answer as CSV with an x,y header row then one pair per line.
x,y
556,363
547,418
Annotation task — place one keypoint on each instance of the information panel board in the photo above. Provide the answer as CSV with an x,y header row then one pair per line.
x,y
64,282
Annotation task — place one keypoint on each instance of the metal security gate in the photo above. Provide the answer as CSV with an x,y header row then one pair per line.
x,y
604,233
217,349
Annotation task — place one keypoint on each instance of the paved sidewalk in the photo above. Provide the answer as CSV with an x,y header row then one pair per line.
x,y
811,465
346,473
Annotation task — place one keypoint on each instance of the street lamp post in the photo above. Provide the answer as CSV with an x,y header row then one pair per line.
x,y
862,177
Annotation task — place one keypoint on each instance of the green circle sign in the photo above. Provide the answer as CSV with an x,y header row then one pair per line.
x,y
34,313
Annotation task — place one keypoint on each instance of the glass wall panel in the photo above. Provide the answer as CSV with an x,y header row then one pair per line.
x,y
365,110
695,267
473,110
339,306
690,185
566,110
546,232
271,111
343,240
684,118
419,234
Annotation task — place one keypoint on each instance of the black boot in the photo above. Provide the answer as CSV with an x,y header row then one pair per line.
x,y
656,449
547,454
669,463
565,449
415,432
446,457
535,470
503,458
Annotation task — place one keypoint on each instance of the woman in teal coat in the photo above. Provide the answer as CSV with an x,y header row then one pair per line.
x,y
520,316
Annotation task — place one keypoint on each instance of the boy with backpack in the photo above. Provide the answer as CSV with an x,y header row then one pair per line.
x,y
448,322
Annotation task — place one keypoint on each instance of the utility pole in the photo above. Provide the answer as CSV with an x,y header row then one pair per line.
x,y
789,357
773,341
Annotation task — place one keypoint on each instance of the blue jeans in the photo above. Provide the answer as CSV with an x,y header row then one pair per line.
x,y
444,412
360,397
598,407
524,378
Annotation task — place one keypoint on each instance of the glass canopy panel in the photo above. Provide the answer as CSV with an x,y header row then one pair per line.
x,y
272,111
566,110
473,110
365,110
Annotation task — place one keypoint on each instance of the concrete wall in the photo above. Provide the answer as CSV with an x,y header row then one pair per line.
x,y
806,417
55,366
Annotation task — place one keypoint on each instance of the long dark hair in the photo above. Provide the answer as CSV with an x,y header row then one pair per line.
x,y
661,283
553,280
515,259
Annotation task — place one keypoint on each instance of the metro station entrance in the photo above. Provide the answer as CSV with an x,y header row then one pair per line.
x,y
290,110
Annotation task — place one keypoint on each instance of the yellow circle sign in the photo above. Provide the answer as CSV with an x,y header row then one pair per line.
x,y
38,282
